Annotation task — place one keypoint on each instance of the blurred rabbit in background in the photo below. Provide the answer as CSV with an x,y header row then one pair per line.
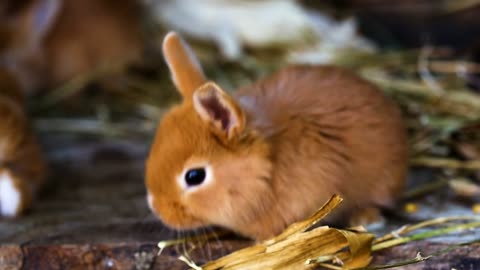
x,y
44,43
47,42
22,167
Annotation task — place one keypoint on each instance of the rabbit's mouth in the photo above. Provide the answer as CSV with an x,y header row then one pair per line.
x,y
174,215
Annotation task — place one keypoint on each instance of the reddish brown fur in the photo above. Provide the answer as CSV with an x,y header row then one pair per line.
x,y
331,132
182,137
20,154
310,132
187,77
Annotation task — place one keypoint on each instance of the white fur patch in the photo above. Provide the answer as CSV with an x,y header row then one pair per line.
x,y
9,196
150,201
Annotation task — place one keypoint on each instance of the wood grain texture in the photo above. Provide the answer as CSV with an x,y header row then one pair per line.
x,y
143,256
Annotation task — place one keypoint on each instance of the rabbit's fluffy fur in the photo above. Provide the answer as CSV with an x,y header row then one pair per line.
x,y
275,151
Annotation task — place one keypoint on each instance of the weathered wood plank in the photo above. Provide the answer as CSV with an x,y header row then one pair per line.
x,y
11,257
127,256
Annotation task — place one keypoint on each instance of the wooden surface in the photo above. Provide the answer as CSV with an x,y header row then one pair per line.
x,y
93,215
143,256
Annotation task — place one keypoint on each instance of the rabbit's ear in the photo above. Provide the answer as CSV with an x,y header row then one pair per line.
x,y
185,69
219,110
40,18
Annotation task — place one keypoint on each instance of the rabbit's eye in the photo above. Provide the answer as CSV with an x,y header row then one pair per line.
x,y
195,177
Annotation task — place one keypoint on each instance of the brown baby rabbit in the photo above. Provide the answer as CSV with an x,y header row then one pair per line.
x,y
48,42
276,151
22,167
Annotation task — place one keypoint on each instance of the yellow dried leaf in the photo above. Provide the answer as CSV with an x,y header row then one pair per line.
x,y
297,248
360,248
301,226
